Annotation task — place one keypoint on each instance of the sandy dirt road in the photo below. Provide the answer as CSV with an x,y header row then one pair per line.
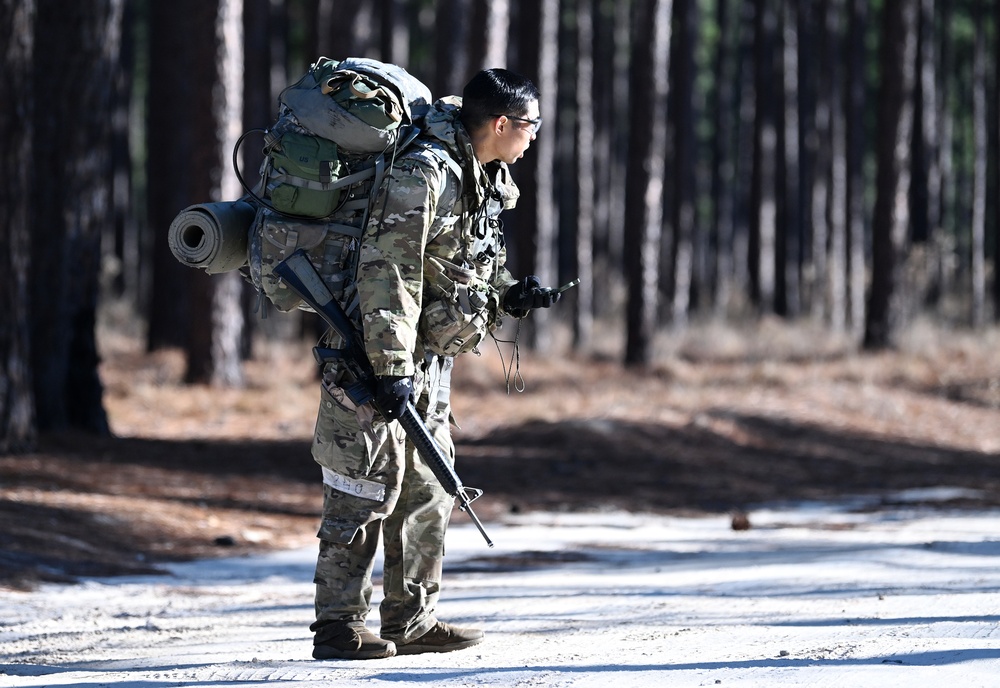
x,y
812,595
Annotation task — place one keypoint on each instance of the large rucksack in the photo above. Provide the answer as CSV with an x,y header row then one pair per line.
x,y
325,157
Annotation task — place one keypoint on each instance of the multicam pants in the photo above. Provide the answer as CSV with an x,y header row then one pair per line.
x,y
375,482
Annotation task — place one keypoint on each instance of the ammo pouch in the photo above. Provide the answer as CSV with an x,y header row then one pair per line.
x,y
332,248
455,315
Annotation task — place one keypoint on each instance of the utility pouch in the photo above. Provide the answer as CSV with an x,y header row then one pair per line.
x,y
332,249
303,172
455,315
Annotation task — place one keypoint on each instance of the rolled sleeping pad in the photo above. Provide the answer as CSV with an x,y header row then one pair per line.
x,y
212,236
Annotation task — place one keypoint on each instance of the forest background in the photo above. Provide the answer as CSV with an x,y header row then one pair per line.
x,y
824,161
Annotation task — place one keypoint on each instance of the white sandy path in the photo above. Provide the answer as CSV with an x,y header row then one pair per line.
x,y
810,596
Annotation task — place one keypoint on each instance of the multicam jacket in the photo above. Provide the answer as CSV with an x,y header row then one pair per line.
x,y
431,274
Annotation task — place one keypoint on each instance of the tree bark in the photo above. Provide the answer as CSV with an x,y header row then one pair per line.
x,y
583,295
536,218
788,241
120,256
18,432
946,141
820,201
192,163
838,171
855,163
809,57
763,194
174,101
979,126
925,185
454,19
743,204
724,113
222,293
996,179
72,193
895,120
611,58
490,34
645,175
395,31
684,173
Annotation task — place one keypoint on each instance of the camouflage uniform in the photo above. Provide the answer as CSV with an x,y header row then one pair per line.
x,y
427,227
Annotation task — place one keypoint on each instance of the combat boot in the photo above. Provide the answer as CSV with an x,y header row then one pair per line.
x,y
441,637
350,640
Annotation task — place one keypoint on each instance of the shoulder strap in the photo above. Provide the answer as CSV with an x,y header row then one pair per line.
x,y
441,154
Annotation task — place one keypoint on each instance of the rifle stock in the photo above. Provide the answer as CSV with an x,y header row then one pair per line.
x,y
300,276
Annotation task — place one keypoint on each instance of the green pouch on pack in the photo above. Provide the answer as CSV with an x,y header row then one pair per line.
x,y
362,97
303,171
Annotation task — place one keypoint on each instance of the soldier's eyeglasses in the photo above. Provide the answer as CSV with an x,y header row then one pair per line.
x,y
536,124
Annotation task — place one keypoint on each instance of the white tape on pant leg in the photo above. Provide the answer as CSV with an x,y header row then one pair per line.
x,y
365,489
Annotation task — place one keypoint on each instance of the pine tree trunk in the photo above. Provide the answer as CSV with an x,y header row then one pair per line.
x,y
395,32
855,163
925,184
18,431
192,163
520,223
996,157
895,120
585,157
118,243
838,171
724,114
745,106
222,293
683,207
946,142
547,219
489,38
820,200
979,125
72,203
926,144
454,19
604,152
645,175
762,219
788,241
808,75
535,220
174,175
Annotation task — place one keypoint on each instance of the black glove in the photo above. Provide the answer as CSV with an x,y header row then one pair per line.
x,y
528,294
391,394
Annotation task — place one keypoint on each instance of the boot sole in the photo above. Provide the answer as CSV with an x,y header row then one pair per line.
x,y
416,648
324,652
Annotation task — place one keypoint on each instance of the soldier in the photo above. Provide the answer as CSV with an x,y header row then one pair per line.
x,y
431,283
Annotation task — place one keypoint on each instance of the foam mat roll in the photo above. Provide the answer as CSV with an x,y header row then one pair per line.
x,y
212,236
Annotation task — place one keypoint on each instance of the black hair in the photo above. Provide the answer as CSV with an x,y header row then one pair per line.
x,y
495,92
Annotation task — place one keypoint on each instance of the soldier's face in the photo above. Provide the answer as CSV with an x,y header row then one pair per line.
x,y
516,134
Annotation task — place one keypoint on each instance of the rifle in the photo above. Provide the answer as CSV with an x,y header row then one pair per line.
x,y
301,277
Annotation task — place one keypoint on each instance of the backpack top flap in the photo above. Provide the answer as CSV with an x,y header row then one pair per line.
x,y
414,95
360,104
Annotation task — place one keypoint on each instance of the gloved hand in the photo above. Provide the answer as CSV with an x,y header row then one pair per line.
x,y
528,294
391,394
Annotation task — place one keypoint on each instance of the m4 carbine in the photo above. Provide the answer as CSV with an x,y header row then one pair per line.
x,y
301,277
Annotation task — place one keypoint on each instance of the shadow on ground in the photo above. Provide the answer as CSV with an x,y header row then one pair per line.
x,y
85,506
